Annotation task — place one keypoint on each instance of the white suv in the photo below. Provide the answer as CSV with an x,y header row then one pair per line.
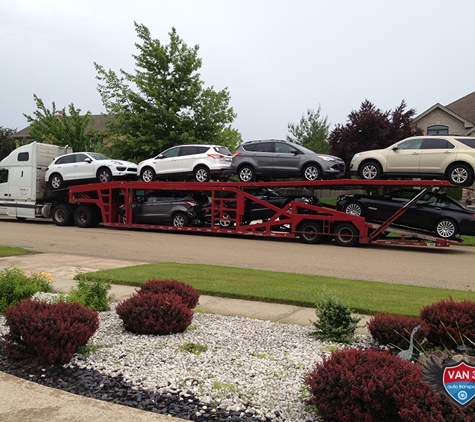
x,y
202,162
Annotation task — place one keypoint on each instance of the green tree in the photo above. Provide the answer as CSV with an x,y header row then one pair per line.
x,y
371,128
164,102
57,127
7,143
311,132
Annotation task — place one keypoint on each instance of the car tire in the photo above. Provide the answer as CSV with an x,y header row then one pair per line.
x,y
202,174
371,170
346,234
446,228
62,215
56,181
460,175
85,216
104,175
179,220
311,172
148,174
354,208
246,174
310,232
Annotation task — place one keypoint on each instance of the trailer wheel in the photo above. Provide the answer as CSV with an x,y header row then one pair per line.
x,y
446,228
148,174
246,174
311,232
62,215
56,181
202,174
346,234
104,175
371,170
85,216
353,208
180,220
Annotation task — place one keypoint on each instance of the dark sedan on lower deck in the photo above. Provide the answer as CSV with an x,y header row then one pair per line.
x,y
433,212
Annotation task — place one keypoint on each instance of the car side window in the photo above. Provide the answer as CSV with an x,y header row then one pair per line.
x,y
81,158
437,143
67,159
172,152
410,144
188,150
265,147
284,148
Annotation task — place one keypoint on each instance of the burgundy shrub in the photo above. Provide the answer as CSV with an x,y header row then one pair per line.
x,y
155,313
48,333
189,294
450,323
356,385
396,330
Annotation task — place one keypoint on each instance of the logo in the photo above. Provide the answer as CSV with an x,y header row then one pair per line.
x,y
456,380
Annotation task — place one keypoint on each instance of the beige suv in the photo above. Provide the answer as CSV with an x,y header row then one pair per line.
x,y
428,157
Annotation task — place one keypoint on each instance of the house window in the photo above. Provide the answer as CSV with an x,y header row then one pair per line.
x,y
438,130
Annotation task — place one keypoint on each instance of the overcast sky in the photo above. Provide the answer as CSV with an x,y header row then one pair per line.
x,y
278,58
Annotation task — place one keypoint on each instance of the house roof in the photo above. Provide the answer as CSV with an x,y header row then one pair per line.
x,y
99,124
464,107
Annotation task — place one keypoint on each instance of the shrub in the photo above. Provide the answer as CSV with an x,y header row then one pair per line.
x,y
396,330
91,294
47,333
372,385
335,322
155,313
450,323
189,294
16,286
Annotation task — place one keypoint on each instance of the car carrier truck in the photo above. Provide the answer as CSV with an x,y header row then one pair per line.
x,y
23,190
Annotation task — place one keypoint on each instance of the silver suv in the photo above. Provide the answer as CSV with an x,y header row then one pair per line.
x,y
202,162
281,159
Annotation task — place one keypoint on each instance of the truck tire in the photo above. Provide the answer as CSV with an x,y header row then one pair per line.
x,y
311,232
85,216
346,234
62,215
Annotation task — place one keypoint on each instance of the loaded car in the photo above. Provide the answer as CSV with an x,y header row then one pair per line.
x,y
178,208
433,212
450,158
79,167
266,159
254,210
201,162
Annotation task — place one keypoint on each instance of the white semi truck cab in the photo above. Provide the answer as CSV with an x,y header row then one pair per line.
x,y
23,190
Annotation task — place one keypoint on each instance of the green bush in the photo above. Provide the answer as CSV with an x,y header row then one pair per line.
x,y
335,322
16,286
91,294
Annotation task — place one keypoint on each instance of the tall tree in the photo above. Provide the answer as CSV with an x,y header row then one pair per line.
x,y
164,102
57,127
311,132
370,128
7,143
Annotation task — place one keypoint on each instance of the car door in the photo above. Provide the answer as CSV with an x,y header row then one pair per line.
x,y
166,162
84,168
286,160
405,157
263,156
154,209
187,157
425,212
66,166
436,155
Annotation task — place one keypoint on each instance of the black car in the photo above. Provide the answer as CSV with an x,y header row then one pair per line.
x,y
433,212
178,208
254,210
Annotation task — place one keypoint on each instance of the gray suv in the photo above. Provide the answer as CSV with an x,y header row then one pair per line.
x,y
273,158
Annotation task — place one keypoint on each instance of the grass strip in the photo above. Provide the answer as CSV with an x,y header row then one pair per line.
x,y
13,251
366,297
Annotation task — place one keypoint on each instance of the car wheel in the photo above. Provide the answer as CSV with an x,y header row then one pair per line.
x,y
147,174
353,208
246,174
446,228
202,174
85,216
62,215
346,234
180,220
311,232
370,170
56,181
225,222
104,175
460,175
311,172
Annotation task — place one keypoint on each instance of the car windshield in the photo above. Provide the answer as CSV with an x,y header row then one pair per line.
x,y
98,156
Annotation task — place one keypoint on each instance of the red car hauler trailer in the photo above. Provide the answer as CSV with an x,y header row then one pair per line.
x,y
111,204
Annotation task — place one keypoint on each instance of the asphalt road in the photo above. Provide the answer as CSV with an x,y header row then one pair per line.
x,y
451,267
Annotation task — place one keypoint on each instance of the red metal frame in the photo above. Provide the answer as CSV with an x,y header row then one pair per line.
x,y
285,223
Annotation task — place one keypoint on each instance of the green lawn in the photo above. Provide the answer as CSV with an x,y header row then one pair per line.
x,y
367,297
12,251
